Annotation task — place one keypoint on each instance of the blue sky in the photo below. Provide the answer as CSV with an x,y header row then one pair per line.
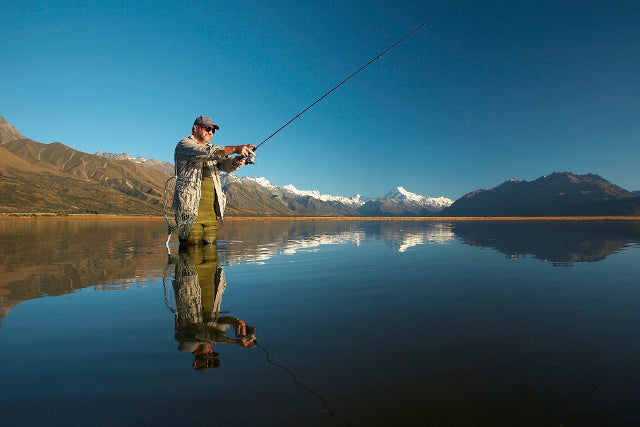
x,y
484,92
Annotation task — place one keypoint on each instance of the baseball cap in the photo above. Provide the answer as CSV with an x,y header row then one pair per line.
x,y
205,121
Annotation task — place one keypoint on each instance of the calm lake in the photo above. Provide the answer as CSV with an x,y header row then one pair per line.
x,y
313,322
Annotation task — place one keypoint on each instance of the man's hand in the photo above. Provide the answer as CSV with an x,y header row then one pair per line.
x,y
243,150
238,161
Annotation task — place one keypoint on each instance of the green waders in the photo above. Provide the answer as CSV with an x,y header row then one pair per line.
x,y
205,229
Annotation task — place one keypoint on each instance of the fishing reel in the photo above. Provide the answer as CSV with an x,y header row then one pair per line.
x,y
250,159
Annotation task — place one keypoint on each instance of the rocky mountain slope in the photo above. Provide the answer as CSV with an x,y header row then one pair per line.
x,y
54,178
8,132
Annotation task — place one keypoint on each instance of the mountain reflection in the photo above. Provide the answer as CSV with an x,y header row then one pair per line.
x,y
259,240
561,243
47,257
198,285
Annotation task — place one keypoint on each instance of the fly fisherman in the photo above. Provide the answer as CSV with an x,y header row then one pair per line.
x,y
198,200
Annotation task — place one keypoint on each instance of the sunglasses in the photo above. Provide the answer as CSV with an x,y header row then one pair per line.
x,y
209,129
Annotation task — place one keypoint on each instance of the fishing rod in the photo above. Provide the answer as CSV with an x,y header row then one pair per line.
x,y
169,190
251,158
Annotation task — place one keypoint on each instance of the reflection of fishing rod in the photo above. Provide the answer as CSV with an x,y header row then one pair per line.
x,y
251,159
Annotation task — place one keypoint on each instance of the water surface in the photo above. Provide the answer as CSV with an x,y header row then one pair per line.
x,y
321,323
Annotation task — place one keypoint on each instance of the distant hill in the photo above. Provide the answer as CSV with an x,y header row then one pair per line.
x,y
54,178
160,165
558,194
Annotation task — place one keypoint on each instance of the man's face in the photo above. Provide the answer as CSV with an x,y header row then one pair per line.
x,y
203,133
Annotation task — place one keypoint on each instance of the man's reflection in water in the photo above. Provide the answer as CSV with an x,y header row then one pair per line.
x,y
198,286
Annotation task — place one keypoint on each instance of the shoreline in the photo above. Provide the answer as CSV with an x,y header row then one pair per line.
x,y
54,216
102,217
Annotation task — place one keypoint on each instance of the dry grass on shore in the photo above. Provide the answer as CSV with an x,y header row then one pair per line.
x,y
79,217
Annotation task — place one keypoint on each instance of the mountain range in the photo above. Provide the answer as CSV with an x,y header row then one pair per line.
x,y
54,178
288,200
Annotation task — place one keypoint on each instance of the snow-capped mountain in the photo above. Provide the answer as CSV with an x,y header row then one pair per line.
x,y
354,202
400,202
399,193
260,195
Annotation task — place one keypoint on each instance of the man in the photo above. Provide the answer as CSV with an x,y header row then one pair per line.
x,y
198,200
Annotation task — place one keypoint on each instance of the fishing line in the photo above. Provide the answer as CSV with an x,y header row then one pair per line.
x,y
170,303
325,405
251,159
